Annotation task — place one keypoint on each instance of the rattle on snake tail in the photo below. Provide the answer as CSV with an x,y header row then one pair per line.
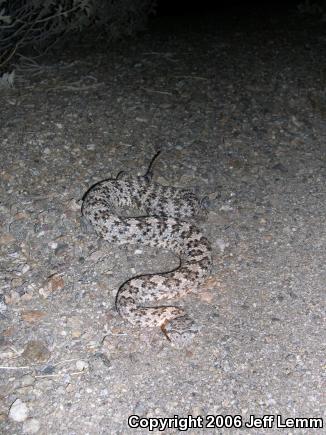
x,y
162,227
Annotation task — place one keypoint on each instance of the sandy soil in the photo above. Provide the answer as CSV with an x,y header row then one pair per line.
x,y
239,112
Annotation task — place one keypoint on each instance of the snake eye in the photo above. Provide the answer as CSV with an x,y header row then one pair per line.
x,y
121,174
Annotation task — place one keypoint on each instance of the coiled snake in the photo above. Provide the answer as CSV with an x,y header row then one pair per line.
x,y
162,226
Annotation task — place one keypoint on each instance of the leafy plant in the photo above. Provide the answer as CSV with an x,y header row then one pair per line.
x,y
41,23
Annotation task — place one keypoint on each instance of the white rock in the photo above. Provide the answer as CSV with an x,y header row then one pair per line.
x,y
226,208
27,380
53,245
25,268
81,365
18,411
221,244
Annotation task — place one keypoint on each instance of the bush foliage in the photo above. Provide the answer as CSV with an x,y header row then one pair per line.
x,y
39,24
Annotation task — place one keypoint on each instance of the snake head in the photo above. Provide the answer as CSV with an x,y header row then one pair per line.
x,y
180,331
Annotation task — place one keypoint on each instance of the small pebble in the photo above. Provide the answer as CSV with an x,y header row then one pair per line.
x,y
226,208
53,283
70,388
81,365
53,245
221,244
36,351
25,268
16,282
27,380
197,410
32,316
279,167
3,305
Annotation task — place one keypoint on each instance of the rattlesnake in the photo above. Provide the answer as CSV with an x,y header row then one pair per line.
x,y
161,227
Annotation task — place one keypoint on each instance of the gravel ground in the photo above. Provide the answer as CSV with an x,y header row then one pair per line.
x,y
239,112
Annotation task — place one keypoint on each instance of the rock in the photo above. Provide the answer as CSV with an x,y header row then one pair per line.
x,y
53,283
36,351
279,167
18,411
32,316
31,426
27,380
6,239
221,244
16,282
3,305
81,365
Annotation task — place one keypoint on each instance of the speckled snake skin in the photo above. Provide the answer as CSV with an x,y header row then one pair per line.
x,y
160,227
